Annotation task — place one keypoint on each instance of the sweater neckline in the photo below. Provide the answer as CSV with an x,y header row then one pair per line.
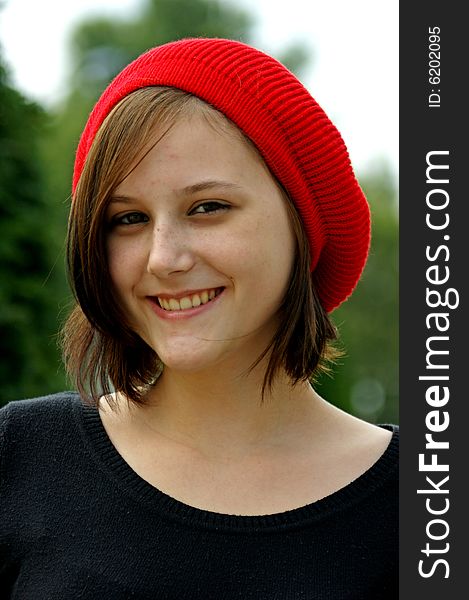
x,y
145,494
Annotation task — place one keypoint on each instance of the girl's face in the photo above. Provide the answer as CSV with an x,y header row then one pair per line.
x,y
200,248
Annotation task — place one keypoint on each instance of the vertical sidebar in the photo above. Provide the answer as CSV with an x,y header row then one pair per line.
x,y
434,269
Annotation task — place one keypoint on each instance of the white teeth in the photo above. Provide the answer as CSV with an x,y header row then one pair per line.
x,y
187,301
174,304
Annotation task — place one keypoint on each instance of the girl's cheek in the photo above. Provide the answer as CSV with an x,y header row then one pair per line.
x,y
124,263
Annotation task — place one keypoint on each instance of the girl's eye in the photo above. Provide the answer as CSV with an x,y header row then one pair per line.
x,y
209,207
133,218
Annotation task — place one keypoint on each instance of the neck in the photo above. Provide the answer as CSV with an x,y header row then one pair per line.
x,y
226,415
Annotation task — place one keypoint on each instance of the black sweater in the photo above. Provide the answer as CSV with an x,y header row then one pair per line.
x,y
76,522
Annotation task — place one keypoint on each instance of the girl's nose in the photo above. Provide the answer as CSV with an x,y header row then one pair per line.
x,y
170,251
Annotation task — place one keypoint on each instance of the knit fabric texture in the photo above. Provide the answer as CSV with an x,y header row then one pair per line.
x,y
297,140
78,523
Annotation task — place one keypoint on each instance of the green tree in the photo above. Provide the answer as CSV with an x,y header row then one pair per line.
x,y
28,316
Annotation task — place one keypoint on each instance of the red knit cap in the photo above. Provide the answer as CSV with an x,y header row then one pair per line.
x,y
297,140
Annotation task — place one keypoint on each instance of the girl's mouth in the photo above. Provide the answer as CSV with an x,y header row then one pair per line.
x,y
189,301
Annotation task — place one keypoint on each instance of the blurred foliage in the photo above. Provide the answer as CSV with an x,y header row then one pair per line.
x,y
28,292
37,154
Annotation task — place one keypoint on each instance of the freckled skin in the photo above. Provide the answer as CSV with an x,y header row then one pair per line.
x,y
178,242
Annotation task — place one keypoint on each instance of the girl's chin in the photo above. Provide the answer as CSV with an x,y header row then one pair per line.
x,y
189,361
211,360
188,355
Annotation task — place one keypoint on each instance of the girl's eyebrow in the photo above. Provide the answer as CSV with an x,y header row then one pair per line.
x,y
201,186
208,185
121,199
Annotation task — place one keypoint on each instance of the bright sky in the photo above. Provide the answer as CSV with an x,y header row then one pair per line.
x,y
353,75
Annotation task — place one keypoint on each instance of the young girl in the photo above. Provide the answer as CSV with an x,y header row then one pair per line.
x,y
215,223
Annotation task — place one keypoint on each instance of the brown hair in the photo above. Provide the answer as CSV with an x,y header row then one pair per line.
x,y
101,351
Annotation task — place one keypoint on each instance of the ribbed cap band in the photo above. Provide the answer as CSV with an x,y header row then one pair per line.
x,y
297,140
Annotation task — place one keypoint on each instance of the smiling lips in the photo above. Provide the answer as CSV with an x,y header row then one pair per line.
x,y
189,301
